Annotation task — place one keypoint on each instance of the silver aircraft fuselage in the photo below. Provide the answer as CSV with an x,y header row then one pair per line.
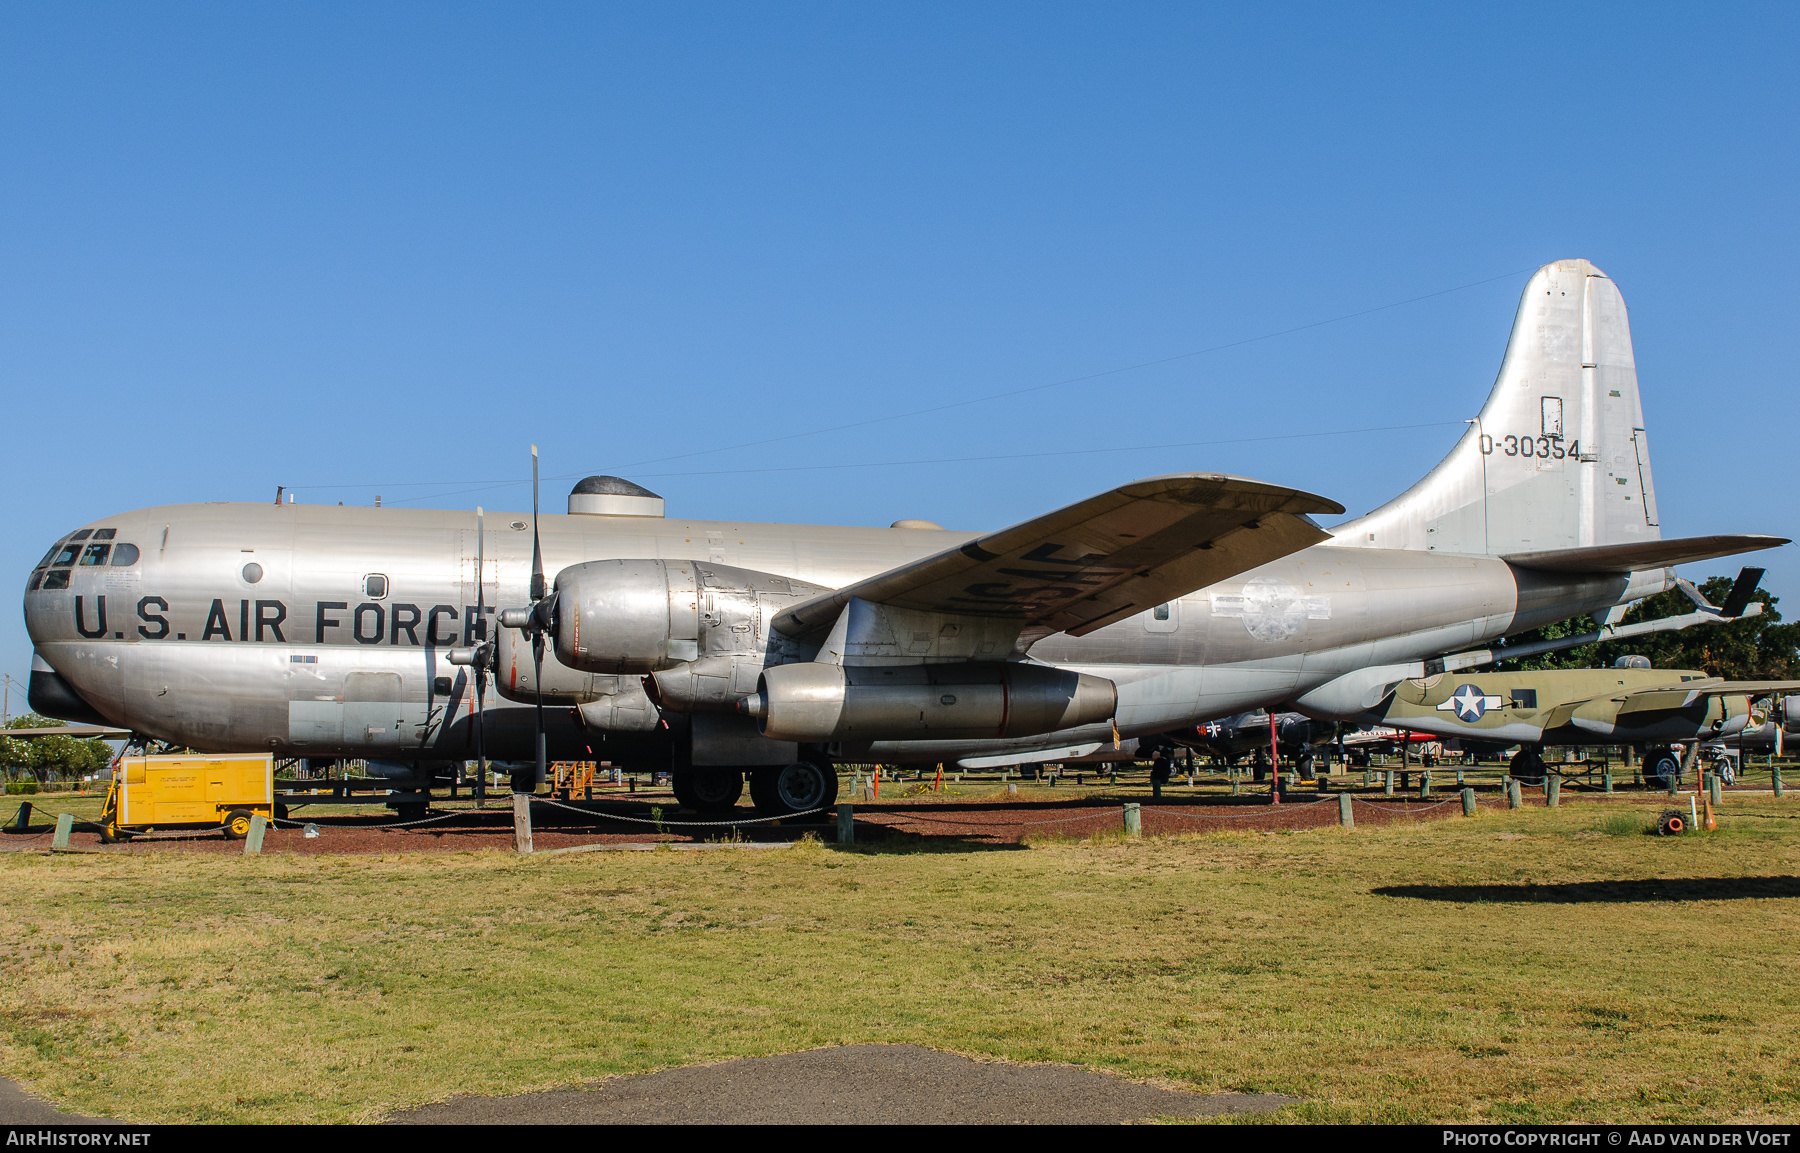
x,y
352,612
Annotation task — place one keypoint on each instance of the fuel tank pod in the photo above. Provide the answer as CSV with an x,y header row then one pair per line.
x,y
813,702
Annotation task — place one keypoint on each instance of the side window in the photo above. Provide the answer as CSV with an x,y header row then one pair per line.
x,y
124,554
1164,618
1160,612
375,586
56,578
51,555
95,554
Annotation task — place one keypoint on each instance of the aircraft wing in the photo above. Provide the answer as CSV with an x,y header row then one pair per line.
x,y
1635,556
1094,562
1681,696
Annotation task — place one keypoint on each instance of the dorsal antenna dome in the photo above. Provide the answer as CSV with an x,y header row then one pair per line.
x,y
613,496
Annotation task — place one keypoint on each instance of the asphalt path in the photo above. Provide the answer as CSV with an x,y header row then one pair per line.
x,y
18,1107
848,1085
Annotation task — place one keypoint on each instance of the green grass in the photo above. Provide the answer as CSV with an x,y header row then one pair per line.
x,y
1520,967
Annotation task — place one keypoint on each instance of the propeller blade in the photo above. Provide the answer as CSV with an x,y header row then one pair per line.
x,y
537,615
481,664
537,686
537,552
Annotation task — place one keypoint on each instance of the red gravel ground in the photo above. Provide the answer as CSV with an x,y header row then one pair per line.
x,y
947,822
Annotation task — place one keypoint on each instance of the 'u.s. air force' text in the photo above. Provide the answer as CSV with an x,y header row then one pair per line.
x,y
333,622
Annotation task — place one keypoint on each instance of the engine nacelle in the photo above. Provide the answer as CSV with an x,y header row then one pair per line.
x,y
627,616
815,702
648,616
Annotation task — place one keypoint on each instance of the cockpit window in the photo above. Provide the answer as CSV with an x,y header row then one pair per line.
x,y
50,555
83,534
95,555
124,554
105,533
66,555
56,578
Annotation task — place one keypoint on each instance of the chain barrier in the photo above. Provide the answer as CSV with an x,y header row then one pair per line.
x,y
289,821
684,824
991,824
1406,809
1258,811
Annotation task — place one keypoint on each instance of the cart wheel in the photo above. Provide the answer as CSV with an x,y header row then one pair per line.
x,y
237,824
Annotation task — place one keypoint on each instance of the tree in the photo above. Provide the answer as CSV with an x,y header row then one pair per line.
x,y
1757,649
46,757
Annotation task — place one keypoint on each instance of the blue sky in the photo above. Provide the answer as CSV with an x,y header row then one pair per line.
x,y
365,249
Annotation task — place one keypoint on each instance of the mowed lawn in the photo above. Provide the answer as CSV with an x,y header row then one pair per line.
x,y
1544,965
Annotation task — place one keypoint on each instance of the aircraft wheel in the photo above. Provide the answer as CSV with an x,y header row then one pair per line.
x,y
1526,768
237,824
779,790
281,812
709,790
1662,768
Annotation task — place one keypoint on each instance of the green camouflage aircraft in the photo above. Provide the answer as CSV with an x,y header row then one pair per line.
x,y
1646,708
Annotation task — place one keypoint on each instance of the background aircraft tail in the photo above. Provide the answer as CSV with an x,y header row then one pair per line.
x,y
1558,457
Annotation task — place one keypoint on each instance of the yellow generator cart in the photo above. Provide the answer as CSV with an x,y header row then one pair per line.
x,y
189,791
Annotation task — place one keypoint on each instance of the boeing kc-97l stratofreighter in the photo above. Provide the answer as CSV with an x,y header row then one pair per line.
x,y
725,650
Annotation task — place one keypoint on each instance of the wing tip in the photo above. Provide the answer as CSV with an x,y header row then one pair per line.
x,y
1298,501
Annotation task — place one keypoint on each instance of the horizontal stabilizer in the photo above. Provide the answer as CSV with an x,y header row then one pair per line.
x,y
1097,561
1636,556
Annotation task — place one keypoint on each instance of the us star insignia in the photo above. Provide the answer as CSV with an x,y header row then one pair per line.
x,y
1469,702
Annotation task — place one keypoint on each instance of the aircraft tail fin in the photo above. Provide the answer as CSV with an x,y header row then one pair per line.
x,y
1558,457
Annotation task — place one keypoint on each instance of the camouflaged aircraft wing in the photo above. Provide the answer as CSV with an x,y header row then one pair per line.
x,y
1681,696
1094,562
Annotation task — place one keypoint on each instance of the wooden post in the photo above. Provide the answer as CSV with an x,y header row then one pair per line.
x,y
1606,780
846,825
23,820
1468,800
1717,789
1552,791
1134,820
1775,772
1012,788
65,824
1459,778
259,825
1425,785
522,823
1389,789
1515,796
1345,817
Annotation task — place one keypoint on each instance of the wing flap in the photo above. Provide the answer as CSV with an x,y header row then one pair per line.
x,y
1085,566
